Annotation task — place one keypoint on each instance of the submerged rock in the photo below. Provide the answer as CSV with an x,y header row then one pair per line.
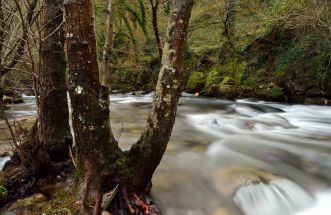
x,y
228,180
279,196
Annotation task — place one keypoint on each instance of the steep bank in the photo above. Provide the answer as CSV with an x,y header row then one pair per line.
x,y
278,66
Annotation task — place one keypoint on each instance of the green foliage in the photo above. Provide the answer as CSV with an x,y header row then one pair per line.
x,y
215,76
256,18
275,92
3,192
227,80
227,87
195,82
235,69
206,30
269,43
137,16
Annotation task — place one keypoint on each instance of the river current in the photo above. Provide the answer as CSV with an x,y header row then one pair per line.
x,y
232,157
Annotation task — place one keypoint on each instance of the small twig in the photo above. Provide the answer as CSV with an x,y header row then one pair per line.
x,y
58,27
10,128
72,157
121,132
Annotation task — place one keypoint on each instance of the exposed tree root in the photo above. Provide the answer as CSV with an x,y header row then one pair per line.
x,y
133,203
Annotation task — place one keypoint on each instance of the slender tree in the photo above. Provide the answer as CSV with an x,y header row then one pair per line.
x,y
155,6
108,42
53,116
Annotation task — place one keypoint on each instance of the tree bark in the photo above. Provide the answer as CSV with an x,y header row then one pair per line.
x,y
146,154
95,143
53,114
2,29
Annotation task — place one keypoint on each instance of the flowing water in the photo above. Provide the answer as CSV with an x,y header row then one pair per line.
x,y
233,158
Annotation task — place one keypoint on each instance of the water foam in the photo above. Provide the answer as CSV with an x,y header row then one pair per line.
x,y
280,196
321,207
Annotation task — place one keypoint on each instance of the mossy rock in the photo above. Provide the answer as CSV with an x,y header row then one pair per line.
x,y
196,82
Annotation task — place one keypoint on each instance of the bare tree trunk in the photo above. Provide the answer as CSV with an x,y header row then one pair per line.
x,y
95,144
155,6
53,115
33,158
146,154
108,42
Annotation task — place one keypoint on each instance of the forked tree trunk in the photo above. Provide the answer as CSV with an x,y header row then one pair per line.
x,y
53,115
98,153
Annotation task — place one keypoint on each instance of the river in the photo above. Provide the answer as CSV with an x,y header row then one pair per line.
x,y
232,157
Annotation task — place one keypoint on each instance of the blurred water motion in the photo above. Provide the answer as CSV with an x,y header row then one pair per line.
x,y
233,158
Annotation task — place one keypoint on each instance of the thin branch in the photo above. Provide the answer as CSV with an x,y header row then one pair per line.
x,y
10,128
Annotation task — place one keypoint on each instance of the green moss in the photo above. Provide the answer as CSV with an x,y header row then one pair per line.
x,y
64,202
227,80
235,69
3,192
280,73
195,82
275,92
227,87
214,77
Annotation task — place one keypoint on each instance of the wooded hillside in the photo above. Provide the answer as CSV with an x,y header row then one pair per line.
x,y
273,50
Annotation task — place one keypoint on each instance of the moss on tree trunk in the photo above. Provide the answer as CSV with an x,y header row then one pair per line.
x,y
53,114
